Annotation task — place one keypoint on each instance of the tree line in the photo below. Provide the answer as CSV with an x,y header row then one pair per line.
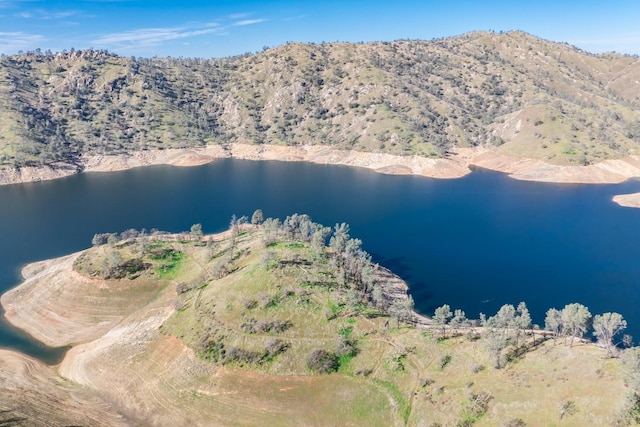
x,y
510,325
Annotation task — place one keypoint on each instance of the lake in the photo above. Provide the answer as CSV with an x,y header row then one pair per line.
x,y
475,243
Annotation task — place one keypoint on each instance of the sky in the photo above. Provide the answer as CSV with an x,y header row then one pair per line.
x,y
206,29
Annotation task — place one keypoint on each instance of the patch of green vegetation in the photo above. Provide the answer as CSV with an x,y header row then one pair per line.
x,y
404,409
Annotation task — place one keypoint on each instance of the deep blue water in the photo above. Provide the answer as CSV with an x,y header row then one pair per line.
x,y
475,243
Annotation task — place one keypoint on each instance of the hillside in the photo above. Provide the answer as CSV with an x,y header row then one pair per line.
x,y
266,324
511,93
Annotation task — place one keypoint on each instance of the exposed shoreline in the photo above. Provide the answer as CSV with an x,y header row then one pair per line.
x,y
456,165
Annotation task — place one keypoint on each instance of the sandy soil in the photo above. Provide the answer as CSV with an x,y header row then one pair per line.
x,y
628,200
32,394
58,306
606,172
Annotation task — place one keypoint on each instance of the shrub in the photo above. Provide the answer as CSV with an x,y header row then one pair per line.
x,y
322,361
274,346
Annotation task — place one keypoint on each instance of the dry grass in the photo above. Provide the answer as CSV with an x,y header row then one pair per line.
x,y
152,366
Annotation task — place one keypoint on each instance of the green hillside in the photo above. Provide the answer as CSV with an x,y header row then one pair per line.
x,y
512,92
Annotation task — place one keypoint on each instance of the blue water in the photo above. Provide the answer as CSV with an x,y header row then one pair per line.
x,y
475,243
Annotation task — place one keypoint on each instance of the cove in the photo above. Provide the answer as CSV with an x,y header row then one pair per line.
x,y
475,243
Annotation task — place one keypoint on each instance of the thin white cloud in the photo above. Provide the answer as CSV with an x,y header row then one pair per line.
x,y
247,22
149,37
11,42
294,18
12,4
153,36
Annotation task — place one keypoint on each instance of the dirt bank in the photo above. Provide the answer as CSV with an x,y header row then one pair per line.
x,y
628,200
454,166
32,394
58,306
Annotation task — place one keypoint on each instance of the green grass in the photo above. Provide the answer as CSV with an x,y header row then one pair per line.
x,y
401,401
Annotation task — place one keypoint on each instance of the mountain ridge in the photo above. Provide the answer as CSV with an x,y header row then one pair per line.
x,y
511,93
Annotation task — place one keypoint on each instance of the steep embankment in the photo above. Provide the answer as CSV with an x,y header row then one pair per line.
x,y
455,165
71,308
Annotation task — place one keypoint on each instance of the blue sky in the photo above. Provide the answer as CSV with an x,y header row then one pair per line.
x,y
198,28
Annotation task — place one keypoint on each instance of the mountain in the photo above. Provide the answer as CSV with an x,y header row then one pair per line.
x,y
511,92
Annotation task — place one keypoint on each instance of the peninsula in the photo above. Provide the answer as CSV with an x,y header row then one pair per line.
x,y
275,322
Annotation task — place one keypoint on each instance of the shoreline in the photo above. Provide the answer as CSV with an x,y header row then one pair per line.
x,y
39,305
612,171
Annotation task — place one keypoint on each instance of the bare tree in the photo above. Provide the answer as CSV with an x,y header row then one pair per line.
x,y
606,327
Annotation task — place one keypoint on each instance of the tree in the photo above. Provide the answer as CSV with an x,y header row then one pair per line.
x,y
606,327
501,330
495,340
378,296
553,322
319,239
459,320
112,264
258,217
441,316
234,225
271,228
196,231
409,305
338,241
522,320
402,310
575,321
